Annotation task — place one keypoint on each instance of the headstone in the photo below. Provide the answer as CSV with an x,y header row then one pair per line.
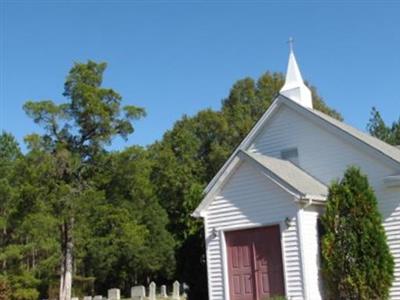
x,y
152,291
87,298
138,292
175,291
185,286
163,291
74,298
114,294
185,289
98,297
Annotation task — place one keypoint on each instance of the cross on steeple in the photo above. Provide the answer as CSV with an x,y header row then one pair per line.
x,y
290,42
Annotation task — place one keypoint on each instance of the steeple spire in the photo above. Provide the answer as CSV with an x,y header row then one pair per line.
x,y
294,87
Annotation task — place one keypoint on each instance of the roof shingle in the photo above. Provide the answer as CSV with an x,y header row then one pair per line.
x,y
290,174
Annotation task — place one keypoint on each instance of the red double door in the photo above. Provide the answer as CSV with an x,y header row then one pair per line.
x,y
255,263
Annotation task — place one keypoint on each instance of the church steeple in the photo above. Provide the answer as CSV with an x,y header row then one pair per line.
x,y
294,87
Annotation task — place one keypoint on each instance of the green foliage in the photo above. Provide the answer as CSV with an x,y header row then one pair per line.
x,y
357,263
378,128
83,286
9,148
24,286
5,291
127,223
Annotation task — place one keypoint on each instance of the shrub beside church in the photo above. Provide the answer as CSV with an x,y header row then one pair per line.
x,y
356,261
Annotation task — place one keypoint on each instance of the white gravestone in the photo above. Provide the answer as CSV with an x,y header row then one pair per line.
x,y
138,292
175,291
98,297
163,291
114,294
152,291
74,298
87,298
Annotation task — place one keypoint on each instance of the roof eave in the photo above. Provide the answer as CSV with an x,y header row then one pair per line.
x,y
313,199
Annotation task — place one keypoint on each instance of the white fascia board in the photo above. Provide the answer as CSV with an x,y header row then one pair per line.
x,y
313,200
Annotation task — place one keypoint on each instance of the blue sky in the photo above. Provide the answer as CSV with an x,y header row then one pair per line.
x,y
178,57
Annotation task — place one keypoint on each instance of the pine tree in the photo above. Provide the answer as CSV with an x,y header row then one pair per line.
x,y
76,134
378,128
357,263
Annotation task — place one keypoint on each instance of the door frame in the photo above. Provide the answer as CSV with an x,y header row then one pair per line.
x,y
224,254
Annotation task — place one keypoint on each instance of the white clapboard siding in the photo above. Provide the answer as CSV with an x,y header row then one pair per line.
x,y
248,200
325,154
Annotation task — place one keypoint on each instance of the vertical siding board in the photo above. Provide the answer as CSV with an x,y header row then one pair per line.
x,y
249,200
310,246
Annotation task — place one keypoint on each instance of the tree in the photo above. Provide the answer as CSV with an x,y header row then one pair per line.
x,y
357,263
378,128
76,133
9,152
191,153
27,237
126,228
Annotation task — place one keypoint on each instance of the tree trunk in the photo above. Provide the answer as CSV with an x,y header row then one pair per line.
x,y
5,242
67,247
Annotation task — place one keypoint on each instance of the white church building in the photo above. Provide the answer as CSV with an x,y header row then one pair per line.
x,y
261,209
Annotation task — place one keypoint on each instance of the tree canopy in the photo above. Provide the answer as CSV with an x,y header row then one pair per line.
x,y
125,210
67,208
378,128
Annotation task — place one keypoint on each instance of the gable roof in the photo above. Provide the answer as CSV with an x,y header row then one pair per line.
x,y
371,143
289,175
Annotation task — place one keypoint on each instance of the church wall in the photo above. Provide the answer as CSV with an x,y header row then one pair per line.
x,y
249,200
326,155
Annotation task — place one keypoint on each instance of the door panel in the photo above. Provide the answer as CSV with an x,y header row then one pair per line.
x,y
255,263
269,267
240,261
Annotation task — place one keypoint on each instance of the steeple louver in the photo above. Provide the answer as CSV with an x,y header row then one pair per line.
x,y
294,87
